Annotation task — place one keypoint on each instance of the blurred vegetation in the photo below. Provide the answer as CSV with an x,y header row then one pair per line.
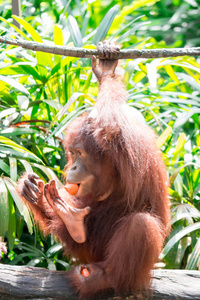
x,y
41,93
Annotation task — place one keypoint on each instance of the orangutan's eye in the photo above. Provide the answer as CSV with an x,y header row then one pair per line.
x,y
71,152
79,152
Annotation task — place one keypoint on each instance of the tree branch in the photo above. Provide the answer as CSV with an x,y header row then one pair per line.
x,y
23,282
81,52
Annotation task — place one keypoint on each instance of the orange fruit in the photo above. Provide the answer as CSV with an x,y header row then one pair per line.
x,y
71,188
85,272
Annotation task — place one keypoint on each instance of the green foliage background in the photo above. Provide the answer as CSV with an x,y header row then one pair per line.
x,y
41,93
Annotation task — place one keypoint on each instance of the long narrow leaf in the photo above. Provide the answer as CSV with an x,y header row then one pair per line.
x,y
61,64
105,24
194,257
21,256
62,262
28,69
163,137
29,248
75,32
13,168
178,236
72,99
131,31
51,265
19,202
15,27
17,147
4,208
17,153
26,165
118,33
53,249
184,117
14,131
15,84
58,36
180,216
54,104
33,262
4,166
71,116
12,223
177,171
7,112
44,59
49,173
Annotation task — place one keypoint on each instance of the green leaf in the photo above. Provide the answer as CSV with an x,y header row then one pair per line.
x,y
75,32
131,31
118,33
33,262
63,124
194,257
181,215
28,69
54,103
23,102
105,24
4,208
7,112
171,73
21,256
15,153
129,10
179,12
178,184
53,249
58,36
72,99
63,263
15,27
183,118
61,64
87,83
163,137
179,101
18,148
14,131
28,28
183,245
51,265
12,223
11,185
49,173
26,165
13,168
4,167
27,247
58,40
44,59
187,78
15,84
177,170
178,236
179,145
130,67
138,76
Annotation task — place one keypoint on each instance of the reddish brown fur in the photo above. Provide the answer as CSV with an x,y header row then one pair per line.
x,y
125,232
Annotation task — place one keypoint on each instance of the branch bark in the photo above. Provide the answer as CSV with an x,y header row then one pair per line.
x,y
19,282
85,53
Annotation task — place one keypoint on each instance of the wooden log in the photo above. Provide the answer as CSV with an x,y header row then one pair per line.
x,y
19,282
